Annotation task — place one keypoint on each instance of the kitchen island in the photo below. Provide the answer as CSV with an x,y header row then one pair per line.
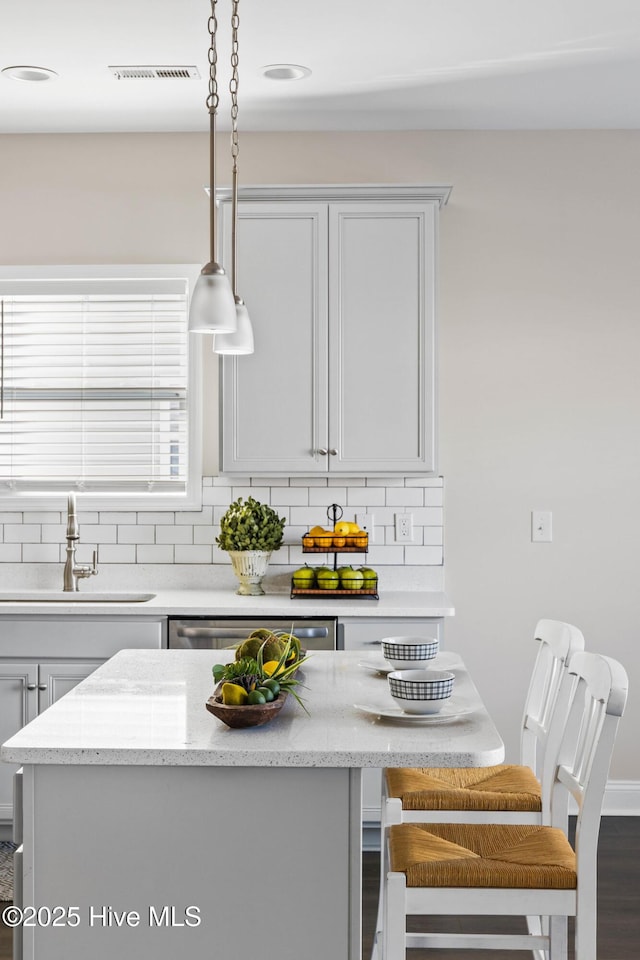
x,y
170,834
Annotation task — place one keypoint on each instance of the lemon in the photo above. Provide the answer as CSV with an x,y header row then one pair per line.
x,y
234,695
316,531
342,528
270,667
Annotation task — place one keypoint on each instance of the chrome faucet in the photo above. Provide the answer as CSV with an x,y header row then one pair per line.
x,y
73,571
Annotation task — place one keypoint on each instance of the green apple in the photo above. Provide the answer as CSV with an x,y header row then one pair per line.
x,y
328,579
370,578
351,579
304,577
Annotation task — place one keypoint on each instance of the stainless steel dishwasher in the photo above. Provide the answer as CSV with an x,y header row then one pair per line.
x,y
208,633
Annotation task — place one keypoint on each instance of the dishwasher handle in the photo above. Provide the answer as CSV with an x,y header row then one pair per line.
x,y
236,633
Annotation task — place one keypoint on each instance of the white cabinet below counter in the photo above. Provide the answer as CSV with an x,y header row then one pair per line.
x,y
43,658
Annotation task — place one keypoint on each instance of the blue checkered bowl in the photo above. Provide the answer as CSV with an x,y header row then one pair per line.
x,y
421,691
407,653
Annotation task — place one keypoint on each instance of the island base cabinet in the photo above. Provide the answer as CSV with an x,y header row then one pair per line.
x,y
192,862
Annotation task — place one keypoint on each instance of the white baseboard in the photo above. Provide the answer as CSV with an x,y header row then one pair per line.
x,y
622,799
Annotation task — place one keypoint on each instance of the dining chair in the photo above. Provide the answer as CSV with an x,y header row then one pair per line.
x,y
516,869
505,793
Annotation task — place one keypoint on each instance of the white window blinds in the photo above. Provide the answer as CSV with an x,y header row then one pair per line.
x,y
93,384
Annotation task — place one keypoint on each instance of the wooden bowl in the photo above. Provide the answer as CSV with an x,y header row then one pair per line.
x,y
245,715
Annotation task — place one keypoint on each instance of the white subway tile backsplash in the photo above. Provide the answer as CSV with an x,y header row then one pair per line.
x,y
107,516
366,497
116,553
54,532
137,533
289,496
157,518
193,554
432,536
10,552
195,516
308,481
323,497
205,534
40,553
41,517
427,556
154,553
216,496
404,497
97,532
272,482
174,537
22,533
175,534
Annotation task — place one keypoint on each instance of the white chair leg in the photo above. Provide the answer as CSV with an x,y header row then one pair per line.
x,y
537,927
394,918
558,938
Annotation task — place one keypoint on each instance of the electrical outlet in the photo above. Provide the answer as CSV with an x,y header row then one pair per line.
x,y
404,527
541,526
366,522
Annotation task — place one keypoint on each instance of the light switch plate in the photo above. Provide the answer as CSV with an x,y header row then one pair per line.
x,y
366,521
541,526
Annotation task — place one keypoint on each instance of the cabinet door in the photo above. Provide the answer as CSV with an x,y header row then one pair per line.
x,y
56,679
381,336
274,402
18,705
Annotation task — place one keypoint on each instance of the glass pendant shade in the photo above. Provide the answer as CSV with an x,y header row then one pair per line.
x,y
240,342
213,308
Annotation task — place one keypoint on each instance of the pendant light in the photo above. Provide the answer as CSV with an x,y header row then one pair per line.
x,y
241,341
213,308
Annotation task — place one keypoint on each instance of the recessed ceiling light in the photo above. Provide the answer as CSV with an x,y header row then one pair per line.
x,y
285,71
30,74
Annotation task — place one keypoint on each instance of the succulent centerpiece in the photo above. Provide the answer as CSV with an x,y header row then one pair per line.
x,y
249,532
252,689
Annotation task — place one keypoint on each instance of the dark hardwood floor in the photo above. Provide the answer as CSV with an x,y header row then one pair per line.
x,y
618,903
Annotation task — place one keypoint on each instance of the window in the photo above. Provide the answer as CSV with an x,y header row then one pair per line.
x,y
97,387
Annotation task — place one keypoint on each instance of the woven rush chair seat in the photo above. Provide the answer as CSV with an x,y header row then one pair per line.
x,y
522,856
502,787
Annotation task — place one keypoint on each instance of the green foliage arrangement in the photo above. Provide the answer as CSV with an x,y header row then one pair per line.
x,y
250,526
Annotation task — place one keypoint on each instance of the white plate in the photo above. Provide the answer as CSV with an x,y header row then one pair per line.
x,y
381,667
450,711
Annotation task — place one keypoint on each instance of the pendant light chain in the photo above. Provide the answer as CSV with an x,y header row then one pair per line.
x,y
235,145
233,83
212,99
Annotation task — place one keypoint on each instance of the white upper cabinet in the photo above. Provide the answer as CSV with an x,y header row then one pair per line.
x,y
340,286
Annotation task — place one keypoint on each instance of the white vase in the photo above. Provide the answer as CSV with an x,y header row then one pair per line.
x,y
250,567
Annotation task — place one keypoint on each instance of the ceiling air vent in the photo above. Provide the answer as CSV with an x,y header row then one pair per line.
x,y
155,73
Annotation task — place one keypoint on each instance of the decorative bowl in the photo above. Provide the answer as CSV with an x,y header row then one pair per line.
x,y
245,715
421,691
408,653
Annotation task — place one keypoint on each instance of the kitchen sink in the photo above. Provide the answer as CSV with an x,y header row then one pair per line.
x,y
71,596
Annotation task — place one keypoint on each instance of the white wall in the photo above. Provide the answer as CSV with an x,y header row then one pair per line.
x,y
539,345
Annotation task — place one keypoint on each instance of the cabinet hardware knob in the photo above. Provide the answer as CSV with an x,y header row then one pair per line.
x,y
323,451
32,686
42,686
333,452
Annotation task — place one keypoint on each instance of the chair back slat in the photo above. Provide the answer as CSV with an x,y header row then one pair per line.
x,y
558,642
598,698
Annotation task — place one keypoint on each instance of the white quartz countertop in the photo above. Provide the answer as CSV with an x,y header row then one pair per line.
x,y
203,603
148,708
